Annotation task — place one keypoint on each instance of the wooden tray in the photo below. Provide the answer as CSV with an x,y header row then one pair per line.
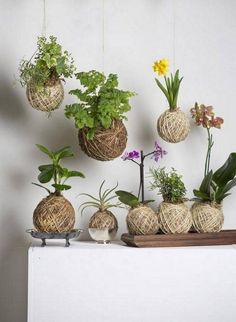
x,y
224,237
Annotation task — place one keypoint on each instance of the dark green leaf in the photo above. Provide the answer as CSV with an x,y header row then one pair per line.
x,y
206,183
45,150
75,174
61,187
201,195
227,172
127,198
45,167
46,175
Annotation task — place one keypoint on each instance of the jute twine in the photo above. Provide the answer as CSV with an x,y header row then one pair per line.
x,y
207,217
142,221
54,214
107,144
47,100
174,218
103,220
173,126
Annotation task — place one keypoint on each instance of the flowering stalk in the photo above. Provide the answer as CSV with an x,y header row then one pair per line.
x,y
205,116
156,154
172,83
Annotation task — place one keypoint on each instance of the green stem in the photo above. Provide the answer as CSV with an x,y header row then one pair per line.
x,y
208,155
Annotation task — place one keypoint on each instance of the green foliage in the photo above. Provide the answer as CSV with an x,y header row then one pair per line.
x,y
170,185
129,199
54,171
171,90
216,186
49,63
103,201
100,102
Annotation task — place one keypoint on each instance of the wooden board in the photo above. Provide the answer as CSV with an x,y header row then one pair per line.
x,y
224,237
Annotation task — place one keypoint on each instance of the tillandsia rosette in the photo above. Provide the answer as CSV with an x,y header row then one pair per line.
x,y
138,157
172,83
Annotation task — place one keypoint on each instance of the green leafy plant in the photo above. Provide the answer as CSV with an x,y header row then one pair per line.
x,y
216,185
47,64
103,201
172,83
130,200
170,185
54,171
100,102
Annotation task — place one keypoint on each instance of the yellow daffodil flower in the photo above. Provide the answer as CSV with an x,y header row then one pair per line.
x,y
161,67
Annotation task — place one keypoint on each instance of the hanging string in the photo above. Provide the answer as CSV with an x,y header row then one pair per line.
x,y
44,19
173,31
103,35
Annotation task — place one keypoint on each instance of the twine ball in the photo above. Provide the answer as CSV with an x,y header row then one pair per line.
x,y
54,214
142,221
47,100
107,144
104,220
207,217
173,126
174,218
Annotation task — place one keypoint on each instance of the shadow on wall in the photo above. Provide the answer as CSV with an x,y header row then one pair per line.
x,y
11,106
13,250
13,271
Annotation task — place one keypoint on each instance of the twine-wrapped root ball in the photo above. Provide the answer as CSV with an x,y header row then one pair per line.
x,y
173,126
104,220
207,217
54,214
47,100
142,221
174,218
107,144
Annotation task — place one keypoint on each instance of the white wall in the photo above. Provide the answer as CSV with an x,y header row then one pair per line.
x,y
197,36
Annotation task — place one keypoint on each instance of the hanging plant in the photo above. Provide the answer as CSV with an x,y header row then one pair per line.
x,y
172,125
55,213
43,73
99,115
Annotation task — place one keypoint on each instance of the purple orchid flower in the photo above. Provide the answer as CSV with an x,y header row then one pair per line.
x,y
130,155
158,153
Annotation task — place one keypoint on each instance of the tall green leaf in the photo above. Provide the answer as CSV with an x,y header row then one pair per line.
x,y
227,172
45,150
205,186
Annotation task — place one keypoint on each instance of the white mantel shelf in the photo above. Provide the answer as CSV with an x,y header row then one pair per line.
x,y
88,282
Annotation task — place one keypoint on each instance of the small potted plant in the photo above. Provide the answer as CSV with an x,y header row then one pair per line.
x,y
207,210
43,73
102,219
55,213
141,219
99,115
175,216
172,125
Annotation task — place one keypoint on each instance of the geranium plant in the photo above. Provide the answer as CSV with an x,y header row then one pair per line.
x,y
55,171
48,64
138,157
100,102
172,83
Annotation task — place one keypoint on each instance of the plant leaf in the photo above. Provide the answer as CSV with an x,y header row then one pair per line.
x,y
205,186
127,198
45,150
227,172
75,174
46,175
201,195
61,186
